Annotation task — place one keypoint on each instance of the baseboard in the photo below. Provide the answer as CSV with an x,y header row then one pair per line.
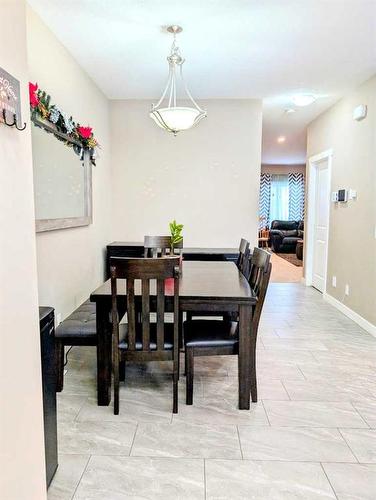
x,y
366,325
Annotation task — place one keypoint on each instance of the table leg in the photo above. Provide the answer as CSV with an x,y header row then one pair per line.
x,y
244,358
104,354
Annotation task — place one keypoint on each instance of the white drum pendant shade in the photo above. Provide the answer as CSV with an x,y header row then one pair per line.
x,y
166,113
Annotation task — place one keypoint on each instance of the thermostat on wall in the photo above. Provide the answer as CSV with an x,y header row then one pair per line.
x,y
342,195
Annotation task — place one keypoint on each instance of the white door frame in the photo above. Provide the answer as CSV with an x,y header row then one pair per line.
x,y
313,163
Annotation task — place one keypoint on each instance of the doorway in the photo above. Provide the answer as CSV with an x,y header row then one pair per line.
x,y
319,178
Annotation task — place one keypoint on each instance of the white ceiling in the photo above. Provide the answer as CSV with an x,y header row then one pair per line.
x,y
233,49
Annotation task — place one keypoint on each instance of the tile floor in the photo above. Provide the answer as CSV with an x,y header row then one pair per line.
x,y
312,435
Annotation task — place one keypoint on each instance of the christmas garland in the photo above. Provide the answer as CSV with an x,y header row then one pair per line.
x,y
41,107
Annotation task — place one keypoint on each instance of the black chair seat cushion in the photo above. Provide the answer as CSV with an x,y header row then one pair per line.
x,y
210,333
168,339
80,324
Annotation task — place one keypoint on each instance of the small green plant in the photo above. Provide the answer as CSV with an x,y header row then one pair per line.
x,y
176,236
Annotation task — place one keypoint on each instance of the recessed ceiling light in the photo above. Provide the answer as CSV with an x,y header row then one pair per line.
x,y
303,99
281,139
289,111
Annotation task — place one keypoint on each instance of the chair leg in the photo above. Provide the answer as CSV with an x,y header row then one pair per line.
x,y
175,381
189,368
116,388
253,375
59,362
122,371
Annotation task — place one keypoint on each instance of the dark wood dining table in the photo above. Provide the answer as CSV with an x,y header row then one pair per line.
x,y
204,286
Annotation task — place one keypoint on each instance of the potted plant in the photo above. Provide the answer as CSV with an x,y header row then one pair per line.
x,y
176,237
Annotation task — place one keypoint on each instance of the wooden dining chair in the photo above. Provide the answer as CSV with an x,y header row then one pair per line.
x,y
243,254
144,341
220,337
159,246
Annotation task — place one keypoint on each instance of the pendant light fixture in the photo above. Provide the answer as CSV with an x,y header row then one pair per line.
x,y
167,113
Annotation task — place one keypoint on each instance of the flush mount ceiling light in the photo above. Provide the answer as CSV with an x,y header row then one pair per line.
x,y
166,113
290,111
303,99
281,139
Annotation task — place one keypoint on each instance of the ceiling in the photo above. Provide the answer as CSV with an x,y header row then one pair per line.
x,y
233,49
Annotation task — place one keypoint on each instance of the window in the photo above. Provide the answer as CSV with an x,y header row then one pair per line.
x,y
279,197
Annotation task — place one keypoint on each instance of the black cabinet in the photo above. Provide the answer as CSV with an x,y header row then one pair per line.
x,y
136,249
47,344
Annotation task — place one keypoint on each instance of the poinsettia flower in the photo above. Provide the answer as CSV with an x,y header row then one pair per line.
x,y
85,132
34,101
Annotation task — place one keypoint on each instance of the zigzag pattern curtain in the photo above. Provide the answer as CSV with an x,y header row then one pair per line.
x,y
296,196
264,204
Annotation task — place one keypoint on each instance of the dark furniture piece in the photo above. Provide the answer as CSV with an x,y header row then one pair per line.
x,y
159,246
241,263
284,235
203,286
299,249
221,337
136,249
243,255
47,344
145,341
77,329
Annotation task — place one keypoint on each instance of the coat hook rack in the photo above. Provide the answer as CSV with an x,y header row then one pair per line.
x,y
14,124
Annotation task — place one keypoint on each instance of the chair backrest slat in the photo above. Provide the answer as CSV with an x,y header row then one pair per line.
x,y
160,313
159,246
131,310
145,290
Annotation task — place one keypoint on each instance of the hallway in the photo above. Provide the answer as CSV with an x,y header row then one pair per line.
x,y
285,272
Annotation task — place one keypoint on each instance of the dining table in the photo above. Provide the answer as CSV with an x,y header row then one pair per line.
x,y
203,286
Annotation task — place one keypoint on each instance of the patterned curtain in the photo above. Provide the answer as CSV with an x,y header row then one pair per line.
x,y
264,204
296,196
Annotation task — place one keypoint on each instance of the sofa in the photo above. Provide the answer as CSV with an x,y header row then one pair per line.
x,y
284,235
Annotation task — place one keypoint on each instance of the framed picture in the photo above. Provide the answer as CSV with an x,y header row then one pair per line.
x,y
10,98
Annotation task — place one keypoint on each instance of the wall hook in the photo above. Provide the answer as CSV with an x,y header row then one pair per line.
x,y
14,121
16,124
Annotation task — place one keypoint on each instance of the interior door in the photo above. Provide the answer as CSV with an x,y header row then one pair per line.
x,y
320,246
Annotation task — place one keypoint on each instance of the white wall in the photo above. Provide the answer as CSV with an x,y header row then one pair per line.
x,y
282,169
207,177
22,473
352,243
71,261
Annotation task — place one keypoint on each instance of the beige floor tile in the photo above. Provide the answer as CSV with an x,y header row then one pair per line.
x,y
301,444
68,406
352,481
221,411
367,409
67,477
226,479
312,414
186,440
110,438
308,390
267,388
127,478
362,443
140,408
